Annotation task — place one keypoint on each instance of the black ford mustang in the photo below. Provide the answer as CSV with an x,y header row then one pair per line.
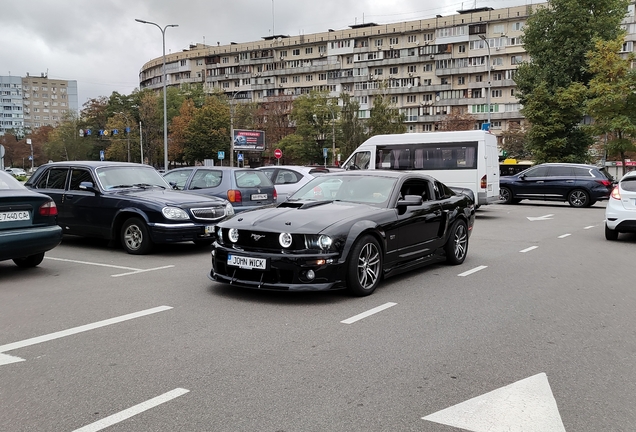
x,y
345,230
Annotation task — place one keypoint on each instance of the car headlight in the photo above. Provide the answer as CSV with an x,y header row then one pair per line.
x,y
285,240
233,235
219,234
229,209
325,242
174,213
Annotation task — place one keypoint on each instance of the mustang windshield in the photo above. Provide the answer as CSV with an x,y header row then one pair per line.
x,y
127,177
368,189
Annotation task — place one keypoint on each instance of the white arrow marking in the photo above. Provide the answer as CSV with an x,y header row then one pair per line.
x,y
546,217
525,406
6,359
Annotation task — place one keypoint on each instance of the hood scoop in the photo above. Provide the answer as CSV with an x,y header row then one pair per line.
x,y
302,204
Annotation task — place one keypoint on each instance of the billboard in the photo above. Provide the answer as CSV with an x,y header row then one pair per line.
x,y
249,140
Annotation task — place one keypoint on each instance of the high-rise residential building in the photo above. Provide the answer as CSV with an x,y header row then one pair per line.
x,y
34,101
464,62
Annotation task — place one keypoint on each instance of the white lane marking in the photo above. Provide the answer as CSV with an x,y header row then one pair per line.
x,y
475,270
6,359
132,270
132,411
589,227
368,313
80,329
565,235
142,271
540,218
92,263
527,405
528,249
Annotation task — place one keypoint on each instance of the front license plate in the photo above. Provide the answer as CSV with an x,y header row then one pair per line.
x,y
256,197
14,216
209,229
247,262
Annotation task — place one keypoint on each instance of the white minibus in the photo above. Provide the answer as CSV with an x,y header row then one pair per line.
x,y
466,159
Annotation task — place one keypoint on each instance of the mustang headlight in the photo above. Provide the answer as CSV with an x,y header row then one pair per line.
x,y
233,235
285,240
325,242
229,210
174,213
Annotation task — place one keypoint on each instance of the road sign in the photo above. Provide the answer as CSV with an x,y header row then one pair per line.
x,y
278,153
101,155
325,150
239,157
30,158
221,155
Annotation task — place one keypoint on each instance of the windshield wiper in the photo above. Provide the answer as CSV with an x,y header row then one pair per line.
x,y
147,185
121,186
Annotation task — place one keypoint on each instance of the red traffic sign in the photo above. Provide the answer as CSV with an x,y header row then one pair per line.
x,y
278,153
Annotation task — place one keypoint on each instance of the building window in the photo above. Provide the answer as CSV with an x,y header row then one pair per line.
x,y
461,48
296,52
496,93
411,98
444,81
393,71
223,60
412,68
378,42
514,60
393,41
309,50
479,78
518,26
394,100
461,80
322,77
309,77
378,71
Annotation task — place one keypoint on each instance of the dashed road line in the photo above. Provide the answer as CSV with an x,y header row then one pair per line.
x,y
368,313
589,227
475,270
564,235
132,411
529,249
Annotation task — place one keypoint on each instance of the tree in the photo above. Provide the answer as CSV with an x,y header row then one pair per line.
x,y
65,143
178,131
209,131
385,117
312,117
457,121
612,102
551,86
353,128
513,141
152,126
273,117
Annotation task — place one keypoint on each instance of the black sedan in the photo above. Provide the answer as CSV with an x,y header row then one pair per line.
x,y
345,230
127,202
28,224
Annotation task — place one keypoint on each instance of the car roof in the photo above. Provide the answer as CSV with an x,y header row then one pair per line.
x,y
224,168
379,173
95,164
582,165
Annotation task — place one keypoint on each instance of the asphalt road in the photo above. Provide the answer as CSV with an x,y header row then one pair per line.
x,y
534,332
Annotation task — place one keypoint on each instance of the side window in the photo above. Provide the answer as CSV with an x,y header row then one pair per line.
x,y
206,179
540,171
78,176
359,160
560,171
54,179
582,172
178,177
268,173
417,187
287,177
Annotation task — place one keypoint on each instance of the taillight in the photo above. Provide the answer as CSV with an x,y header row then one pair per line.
x,y
275,195
616,194
604,182
48,209
234,196
484,182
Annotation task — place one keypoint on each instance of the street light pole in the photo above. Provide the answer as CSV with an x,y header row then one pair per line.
x,y
232,128
489,82
163,79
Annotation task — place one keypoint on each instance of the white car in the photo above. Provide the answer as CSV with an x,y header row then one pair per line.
x,y
289,178
620,213
16,172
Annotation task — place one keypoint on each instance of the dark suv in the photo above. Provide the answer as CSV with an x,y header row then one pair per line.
x,y
578,184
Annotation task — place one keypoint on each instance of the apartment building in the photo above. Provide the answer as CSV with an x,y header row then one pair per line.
x,y
33,101
428,68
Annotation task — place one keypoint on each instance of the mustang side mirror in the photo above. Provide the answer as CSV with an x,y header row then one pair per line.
x,y
410,200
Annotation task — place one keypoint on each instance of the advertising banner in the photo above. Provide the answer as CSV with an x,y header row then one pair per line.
x,y
249,140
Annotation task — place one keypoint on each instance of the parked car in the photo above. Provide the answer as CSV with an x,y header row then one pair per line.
x,y
289,178
16,172
128,202
578,184
245,188
620,212
361,227
28,223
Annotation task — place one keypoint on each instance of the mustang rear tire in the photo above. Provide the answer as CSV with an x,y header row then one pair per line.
x,y
30,261
364,267
135,238
456,246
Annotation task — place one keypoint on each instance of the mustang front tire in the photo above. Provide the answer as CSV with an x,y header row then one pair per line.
x,y
364,267
456,246
135,238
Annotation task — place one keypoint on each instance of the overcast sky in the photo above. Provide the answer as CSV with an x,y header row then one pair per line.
x,y
99,44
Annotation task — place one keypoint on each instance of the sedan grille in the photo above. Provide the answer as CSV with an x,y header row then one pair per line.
x,y
209,213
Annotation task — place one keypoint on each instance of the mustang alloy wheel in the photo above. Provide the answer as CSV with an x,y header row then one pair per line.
x,y
135,238
364,266
456,246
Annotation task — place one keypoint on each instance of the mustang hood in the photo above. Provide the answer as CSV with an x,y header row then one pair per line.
x,y
300,217
170,197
